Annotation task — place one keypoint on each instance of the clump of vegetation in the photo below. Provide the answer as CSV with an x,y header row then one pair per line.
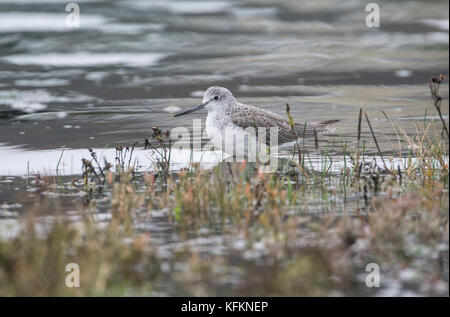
x,y
297,232
34,262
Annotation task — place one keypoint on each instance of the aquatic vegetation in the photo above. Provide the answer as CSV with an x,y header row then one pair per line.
x,y
33,263
307,230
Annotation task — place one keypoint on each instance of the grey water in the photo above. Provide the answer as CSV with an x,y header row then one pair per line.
x,y
132,64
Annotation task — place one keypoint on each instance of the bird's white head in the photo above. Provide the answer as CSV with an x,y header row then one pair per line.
x,y
214,99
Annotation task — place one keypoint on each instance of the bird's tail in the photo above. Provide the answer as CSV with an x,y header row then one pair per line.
x,y
307,129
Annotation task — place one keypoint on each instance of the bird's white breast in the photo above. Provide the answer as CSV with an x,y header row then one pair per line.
x,y
228,137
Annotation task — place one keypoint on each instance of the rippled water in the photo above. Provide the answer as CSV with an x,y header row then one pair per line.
x,y
133,63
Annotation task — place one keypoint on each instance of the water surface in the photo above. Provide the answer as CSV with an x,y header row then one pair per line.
x,y
132,64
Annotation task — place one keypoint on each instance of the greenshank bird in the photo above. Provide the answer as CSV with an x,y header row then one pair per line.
x,y
226,113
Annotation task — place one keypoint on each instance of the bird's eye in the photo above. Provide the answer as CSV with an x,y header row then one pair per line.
x,y
216,97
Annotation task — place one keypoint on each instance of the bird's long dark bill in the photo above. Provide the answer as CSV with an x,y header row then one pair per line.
x,y
200,106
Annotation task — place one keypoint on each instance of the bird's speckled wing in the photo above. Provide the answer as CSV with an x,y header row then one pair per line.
x,y
248,116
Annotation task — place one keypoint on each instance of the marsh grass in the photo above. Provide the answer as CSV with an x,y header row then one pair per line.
x,y
302,231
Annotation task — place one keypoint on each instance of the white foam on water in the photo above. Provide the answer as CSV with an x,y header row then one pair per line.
x,y
33,100
171,109
197,93
80,59
183,7
28,107
51,82
44,1
403,73
96,76
56,22
442,24
43,21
